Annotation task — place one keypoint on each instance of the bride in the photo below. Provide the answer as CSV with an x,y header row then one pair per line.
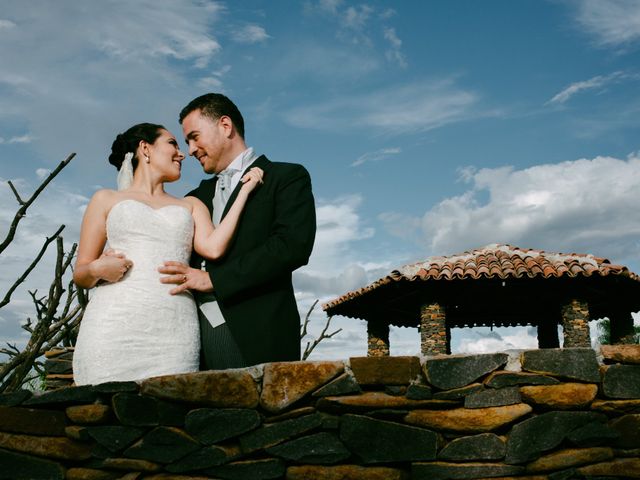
x,y
132,327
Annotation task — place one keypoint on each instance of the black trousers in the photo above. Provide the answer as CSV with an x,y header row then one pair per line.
x,y
219,350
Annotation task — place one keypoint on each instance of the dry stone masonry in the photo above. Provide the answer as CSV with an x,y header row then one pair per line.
x,y
544,414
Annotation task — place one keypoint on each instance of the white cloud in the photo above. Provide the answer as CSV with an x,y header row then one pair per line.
x,y
599,81
94,60
584,206
376,156
250,34
356,17
419,106
6,24
42,173
394,54
613,23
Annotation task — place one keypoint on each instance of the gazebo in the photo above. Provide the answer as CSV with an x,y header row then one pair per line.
x,y
497,285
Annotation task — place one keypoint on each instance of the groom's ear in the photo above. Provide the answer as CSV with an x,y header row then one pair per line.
x,y
226,124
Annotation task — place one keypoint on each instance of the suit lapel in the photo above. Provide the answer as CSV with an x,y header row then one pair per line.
x,y
261,162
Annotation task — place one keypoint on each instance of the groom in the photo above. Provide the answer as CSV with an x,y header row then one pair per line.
x,y
247,309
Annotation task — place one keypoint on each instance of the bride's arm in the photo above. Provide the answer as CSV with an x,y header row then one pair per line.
x,y
212,242
92,265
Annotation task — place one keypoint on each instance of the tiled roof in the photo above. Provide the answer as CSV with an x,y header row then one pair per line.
x,y
495,261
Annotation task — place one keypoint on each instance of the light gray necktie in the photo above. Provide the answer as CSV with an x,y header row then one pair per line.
x,y
222,194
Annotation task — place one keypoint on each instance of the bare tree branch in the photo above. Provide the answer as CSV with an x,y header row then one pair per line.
x,y
24,205
323,335
25,274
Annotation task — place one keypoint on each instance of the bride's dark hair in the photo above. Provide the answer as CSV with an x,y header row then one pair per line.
x,y
128,142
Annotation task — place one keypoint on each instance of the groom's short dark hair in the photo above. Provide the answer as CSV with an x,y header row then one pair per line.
x,y
214,106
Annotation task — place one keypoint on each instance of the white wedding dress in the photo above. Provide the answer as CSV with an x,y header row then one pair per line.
x,y
134,329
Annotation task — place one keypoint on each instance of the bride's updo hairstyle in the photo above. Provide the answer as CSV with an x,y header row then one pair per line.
x,y
128,142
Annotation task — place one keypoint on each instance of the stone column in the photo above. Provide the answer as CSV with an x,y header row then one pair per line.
x,y
378,339
575,324
435,336
548,333
622,331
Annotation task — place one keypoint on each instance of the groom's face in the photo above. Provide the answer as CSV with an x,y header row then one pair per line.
x,y
206,140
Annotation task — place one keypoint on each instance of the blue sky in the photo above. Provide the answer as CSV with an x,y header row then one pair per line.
x,y
429,128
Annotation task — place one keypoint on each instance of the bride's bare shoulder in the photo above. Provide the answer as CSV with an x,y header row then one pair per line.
x,y
105,196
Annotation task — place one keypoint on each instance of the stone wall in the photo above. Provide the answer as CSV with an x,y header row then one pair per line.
x,y
541,414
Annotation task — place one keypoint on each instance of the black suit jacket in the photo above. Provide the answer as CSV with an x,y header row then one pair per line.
x,y
252,282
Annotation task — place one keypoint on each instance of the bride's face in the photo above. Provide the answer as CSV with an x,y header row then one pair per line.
x,y
166,157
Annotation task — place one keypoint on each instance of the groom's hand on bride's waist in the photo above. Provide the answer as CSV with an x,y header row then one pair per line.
x,y
185,277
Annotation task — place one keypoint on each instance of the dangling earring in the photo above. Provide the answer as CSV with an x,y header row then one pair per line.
x,y
146,157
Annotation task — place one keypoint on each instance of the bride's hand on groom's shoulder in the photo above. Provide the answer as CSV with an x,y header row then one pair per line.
x,y
252,179
111,266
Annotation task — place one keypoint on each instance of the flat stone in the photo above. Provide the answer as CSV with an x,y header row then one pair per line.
x,y
485,446
377,441
116,387
295,413
621,353
135,410
568,458
173,476
27,467
417,391
534,436
284,383
493,398
264,469
67,395
14,398
58,366
60,352
616,407
503,379
275,433
395,390
620,467
564,396
344,472
570,363
204,458
592,435
214,388
458,393
385,370
90,474
115,437
32,421
377,400
457,371
163,445
319,448
343,385
76,432
444,470
129,464
478,420
88,414
621,381
61,448
628,427
211,426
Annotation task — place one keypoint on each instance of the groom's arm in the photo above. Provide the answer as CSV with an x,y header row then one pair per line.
x,y
287,247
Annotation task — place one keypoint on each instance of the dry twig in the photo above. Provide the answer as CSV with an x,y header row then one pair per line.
x,y
323,335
